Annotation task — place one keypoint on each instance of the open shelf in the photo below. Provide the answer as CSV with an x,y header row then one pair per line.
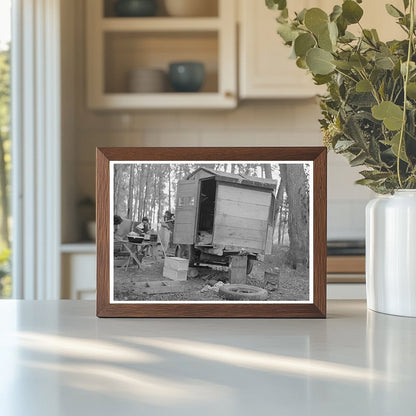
x,y
210,10
127,51
160,24
119,45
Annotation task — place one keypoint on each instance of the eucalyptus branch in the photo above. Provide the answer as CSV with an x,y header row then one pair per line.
x,y
346,75
373,88
406,80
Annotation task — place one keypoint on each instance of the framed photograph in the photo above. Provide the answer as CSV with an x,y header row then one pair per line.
x,y
211,232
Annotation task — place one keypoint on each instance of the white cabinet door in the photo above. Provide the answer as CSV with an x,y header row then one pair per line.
x,y
78,275
265,68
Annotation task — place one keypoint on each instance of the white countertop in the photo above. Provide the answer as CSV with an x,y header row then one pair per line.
x,y
57,358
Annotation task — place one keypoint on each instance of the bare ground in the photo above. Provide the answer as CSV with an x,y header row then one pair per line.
x,y
289,285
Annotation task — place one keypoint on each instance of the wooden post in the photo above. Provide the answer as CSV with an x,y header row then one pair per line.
x,y
238,269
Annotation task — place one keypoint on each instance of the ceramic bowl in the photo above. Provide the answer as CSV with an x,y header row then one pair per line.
x,y
186,76
191,8
147,80
135,8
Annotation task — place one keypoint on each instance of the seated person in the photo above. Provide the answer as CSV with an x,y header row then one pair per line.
x,y
144,226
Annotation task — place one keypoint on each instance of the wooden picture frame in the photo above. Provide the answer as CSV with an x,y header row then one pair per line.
x,y
313,159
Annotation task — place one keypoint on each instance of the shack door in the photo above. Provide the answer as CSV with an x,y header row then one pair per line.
x,y
185,215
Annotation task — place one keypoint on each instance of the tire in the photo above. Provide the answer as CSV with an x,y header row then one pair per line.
x,y
242,292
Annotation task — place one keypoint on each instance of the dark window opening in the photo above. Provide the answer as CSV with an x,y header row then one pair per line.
x,y
206,211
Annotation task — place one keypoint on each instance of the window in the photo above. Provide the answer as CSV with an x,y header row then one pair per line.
x,y
5,160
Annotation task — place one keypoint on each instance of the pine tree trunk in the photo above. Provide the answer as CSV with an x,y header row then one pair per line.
x,y
170,190
146,191
298,221
267,169
130,196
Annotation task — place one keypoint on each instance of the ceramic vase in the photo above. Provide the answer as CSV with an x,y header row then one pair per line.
x,y
391,253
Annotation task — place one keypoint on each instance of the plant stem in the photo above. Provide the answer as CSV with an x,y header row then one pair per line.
x,y
406,80
346,75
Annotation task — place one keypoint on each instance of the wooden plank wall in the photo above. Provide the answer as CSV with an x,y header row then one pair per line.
x,y
185,214
241,217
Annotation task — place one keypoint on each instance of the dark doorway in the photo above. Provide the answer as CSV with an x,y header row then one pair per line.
x,y
206,212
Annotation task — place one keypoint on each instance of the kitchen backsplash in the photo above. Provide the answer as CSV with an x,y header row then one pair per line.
x,y
286,123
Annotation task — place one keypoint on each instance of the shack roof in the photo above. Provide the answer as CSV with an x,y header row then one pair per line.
x,y
241,179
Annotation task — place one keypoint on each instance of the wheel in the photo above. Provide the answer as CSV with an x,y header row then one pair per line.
x,y
186,251
242,292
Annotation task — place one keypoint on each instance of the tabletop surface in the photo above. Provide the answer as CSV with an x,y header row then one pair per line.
x,y
57,358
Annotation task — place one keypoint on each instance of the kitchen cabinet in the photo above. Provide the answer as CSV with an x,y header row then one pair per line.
x,y
78,263
265,69
118,45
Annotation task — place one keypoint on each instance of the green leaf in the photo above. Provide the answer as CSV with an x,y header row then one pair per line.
x,y
394,144
368,36
301,63
375,35
411,90
363,86
351,11
321,79
358,61
316,20
336,12
303,43
287,33
319,61
393,11
276,4
347,37
325,42
344,65
354,132
388,112
333,32
374,175
406,4
301,15
342,25
358,160
384,62
343,145
412,67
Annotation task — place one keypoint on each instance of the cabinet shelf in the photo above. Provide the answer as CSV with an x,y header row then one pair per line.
x,y
198,100
117,46
160,24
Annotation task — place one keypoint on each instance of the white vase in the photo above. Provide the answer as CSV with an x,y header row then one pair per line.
x,y
391,253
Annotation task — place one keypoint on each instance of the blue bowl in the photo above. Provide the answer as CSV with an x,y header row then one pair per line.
x,y
135,8
186,76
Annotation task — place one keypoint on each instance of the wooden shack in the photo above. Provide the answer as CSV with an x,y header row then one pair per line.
x,y
219,212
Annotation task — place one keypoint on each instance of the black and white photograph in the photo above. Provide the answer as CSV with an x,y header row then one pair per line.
x,y
211,232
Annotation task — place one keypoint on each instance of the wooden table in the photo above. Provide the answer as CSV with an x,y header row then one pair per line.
x,y
57,358
132,255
